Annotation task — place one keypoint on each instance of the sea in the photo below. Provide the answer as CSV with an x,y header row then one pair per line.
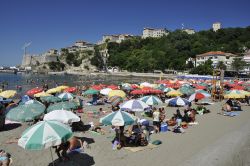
x,y
29,81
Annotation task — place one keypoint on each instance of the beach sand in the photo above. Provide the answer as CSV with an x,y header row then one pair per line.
x,y
216,140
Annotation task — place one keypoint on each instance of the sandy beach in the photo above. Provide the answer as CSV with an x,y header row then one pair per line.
x,y
216,140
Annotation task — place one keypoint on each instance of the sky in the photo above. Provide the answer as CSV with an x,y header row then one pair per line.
x,y
59,23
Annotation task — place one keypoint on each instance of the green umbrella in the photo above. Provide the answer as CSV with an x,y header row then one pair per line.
x,y
187,90
50,99
91,92
26,112
203,84
45,134
68,105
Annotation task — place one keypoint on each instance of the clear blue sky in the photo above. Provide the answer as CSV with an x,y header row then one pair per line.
x,y
58,23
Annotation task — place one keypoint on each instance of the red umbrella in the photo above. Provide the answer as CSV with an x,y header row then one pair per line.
x,y
70,90
137,92
200,87
237,87
96,87
113,87
33,91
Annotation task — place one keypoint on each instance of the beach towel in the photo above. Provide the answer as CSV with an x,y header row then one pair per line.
x,y
231,114
140,148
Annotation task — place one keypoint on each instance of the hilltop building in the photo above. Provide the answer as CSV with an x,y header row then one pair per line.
x,y
155,33
189,31
36,59
115,38
80,46
246,58
216,26
216,56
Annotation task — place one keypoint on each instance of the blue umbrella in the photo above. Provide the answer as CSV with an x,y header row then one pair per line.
x,y
178,101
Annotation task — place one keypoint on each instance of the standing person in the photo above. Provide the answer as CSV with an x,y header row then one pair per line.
x,y
156,120
247,100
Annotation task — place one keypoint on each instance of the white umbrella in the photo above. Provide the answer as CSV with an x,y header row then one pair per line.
x,y
63,116
134,105
105,91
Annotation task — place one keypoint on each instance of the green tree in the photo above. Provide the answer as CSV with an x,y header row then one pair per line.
x,y
221,65
238,64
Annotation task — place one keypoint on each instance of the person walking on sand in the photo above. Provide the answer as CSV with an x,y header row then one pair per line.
x,y
156,120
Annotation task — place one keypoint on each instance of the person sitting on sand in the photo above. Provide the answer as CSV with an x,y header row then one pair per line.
x,y
61,151
4,158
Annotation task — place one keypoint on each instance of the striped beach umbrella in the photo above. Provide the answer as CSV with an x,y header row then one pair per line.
x,y
235,94
66,96
178,101
44,134
63,116
26,112
151,100
134,105
118,118
198,96
67,105
174,93
187,90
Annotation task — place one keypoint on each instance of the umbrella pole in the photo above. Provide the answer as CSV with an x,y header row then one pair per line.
x,y
52,157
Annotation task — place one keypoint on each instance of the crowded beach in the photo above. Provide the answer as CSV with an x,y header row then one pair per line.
x,y
118,121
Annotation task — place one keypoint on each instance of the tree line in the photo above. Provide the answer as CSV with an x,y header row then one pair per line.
x,y
172,51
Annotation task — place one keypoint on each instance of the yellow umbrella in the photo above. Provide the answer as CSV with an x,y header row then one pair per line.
x,y
246,93
62,87
42,94
8,93
235,94
120,93
174,93
54,90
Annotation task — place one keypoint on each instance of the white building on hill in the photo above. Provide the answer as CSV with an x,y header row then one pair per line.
x,y
216,26
216,56
150,32
115,38
246,58
189,31
80,46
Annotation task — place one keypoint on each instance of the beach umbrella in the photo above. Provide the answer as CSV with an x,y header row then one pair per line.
x,y
113,87
236,94
145,84
50,99
97,87
62,87
25,98
174,93
90,92
245,92
237,88
45,134
4,100
120,93
42,94
67,105
54,90
134,105
33,91
118,118
198,96
178,101
115,100
70,89
166,90
203,91
66,96
105,91
137,92
151,100
62,116
187,90
8,94
26,112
